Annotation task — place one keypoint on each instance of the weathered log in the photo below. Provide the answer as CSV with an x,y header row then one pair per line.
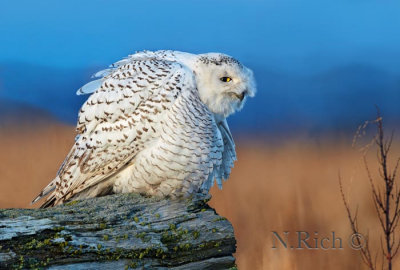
x,y
117,232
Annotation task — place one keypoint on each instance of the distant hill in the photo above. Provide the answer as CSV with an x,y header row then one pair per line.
x,y
337,99
50,89
14,113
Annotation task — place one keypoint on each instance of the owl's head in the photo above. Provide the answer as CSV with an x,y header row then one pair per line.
x,y
223,83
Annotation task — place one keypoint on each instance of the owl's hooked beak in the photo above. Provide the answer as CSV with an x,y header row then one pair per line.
x,y
240,96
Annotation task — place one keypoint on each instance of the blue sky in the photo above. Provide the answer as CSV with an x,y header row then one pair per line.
x,y
289,35
315,61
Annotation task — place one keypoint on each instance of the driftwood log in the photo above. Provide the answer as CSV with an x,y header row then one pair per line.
x,y
124,231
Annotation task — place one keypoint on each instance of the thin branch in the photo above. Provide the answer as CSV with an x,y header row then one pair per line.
x,y
386,200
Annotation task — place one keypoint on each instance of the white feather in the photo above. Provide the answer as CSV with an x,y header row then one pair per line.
x,y
89,87
103,73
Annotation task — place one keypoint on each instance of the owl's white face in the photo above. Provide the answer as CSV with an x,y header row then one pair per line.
x,y
223,83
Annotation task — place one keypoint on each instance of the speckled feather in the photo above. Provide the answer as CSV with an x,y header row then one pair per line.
x,y
145,129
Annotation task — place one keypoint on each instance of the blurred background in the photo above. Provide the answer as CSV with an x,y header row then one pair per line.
x,y
321,67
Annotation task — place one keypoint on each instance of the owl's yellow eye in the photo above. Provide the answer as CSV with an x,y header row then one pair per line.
x,y
226,79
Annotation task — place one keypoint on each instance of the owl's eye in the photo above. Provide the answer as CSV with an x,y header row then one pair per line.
x,y
226,79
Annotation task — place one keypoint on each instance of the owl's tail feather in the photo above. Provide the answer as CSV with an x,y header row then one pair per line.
x,y
50,201
49,188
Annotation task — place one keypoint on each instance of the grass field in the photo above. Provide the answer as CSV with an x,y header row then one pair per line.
x,y
286,185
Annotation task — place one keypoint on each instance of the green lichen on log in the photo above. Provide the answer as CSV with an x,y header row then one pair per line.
x,y
124,231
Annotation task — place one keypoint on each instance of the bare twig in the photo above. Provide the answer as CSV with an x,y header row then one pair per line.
x,y
365,251
386,201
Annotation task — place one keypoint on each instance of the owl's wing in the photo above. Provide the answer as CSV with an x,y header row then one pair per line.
x,y
221,170
229,154
102,75
117,121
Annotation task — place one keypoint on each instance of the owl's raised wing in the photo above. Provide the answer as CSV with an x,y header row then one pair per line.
x,y
102,75
117,121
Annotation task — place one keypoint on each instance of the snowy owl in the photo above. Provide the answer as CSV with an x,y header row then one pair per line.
x,y
155,124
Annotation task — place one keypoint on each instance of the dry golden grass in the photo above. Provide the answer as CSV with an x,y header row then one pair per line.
x,y
29,159
291,185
